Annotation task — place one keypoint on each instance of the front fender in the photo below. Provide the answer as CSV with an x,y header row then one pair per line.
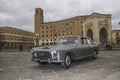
x,y
62,55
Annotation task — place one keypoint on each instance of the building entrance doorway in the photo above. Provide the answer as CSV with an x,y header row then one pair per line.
x,y
90,34
103,35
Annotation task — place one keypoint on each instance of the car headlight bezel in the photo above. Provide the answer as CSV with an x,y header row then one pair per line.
x,y
35,54
32,50
55,52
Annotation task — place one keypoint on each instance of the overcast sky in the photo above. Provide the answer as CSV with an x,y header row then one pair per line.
x,y
20,13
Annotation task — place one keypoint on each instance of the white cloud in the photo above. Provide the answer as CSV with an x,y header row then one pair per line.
x,y
20,13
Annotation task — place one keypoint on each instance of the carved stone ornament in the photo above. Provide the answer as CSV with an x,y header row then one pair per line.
x,y
102,23
90,24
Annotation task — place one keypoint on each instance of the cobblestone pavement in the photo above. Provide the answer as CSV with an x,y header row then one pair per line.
x,y
18,66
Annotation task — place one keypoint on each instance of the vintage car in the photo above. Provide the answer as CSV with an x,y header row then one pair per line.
x,y
65,51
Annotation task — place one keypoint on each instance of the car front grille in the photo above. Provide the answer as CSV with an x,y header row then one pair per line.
x,y
43,55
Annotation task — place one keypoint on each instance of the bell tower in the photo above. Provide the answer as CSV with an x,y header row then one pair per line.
x,y
38,20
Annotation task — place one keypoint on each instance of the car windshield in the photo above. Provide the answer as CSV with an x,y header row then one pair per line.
x,y
68,40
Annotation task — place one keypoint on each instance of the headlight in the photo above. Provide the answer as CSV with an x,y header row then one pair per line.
x,y
55,51
55,54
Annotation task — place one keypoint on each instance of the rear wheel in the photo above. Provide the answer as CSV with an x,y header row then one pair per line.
x,y
95,55
66,62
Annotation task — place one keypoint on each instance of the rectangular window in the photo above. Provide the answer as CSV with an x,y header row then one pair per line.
x,y
42,35
42,43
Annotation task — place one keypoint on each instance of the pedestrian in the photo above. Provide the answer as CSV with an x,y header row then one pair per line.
x,y
108,46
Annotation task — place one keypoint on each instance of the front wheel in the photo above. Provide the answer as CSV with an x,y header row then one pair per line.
x,y
41,62
66,62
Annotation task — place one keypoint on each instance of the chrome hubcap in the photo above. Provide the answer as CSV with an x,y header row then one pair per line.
x,y
68,61
95,55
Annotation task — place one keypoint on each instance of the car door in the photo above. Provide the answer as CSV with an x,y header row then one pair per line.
x,y
85,47
91,49
92,46
76,48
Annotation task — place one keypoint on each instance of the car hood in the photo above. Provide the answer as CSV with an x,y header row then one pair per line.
x,y
52,47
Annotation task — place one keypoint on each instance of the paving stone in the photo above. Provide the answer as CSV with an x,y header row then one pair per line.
x,y
18,66
1,69
113,76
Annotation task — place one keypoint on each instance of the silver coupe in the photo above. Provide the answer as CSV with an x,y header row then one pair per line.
x,y
65,51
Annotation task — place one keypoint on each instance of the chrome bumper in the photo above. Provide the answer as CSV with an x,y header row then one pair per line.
x,y
48,60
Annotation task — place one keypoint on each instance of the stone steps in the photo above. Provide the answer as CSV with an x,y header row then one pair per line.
x,y
113,48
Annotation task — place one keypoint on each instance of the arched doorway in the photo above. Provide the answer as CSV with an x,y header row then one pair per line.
x,y
90,34
103,35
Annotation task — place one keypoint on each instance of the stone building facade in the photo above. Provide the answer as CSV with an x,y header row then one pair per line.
x,y
96,26
12,39
116,36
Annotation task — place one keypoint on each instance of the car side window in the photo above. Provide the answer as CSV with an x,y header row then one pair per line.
x,y
76,41
89,42
84,41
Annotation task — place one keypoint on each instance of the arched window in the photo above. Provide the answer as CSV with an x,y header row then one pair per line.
x,y
103,35
90,34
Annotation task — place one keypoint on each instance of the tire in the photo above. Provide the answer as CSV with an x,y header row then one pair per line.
x,y
95,55
41,63
66,62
